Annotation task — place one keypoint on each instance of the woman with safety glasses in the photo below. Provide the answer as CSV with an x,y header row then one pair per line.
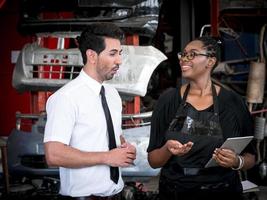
x,y
188,126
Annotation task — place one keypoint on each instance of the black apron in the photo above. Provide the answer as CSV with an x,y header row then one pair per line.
x,y
203,128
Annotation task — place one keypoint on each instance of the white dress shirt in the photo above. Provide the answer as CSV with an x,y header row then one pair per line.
x,y
76,118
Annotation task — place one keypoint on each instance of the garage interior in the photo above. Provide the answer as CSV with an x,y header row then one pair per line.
x,y
39,55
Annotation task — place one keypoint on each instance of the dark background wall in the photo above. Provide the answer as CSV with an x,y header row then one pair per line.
x,y
10,41
181,19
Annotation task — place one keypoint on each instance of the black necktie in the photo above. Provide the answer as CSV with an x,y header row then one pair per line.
x,y
114,171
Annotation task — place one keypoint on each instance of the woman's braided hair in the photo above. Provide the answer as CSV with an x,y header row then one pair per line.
x,y
211,45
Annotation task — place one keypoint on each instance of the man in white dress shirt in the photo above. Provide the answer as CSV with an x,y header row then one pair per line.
x,y
76,138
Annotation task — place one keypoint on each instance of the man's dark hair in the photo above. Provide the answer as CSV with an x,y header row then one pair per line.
x,y
93,36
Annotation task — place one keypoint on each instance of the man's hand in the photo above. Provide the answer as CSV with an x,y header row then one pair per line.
x,y
122,156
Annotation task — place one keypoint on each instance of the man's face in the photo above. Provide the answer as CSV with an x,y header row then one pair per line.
x,y
109,60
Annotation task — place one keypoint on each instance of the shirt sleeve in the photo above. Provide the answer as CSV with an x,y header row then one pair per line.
x,y
236,120
163,113
60,119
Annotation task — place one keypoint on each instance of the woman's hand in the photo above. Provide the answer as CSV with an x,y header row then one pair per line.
x,y
226,158
177,148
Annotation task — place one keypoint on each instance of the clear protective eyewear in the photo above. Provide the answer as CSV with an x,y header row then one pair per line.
x,y
190,55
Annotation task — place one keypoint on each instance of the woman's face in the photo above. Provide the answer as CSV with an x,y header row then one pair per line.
x,y
194,61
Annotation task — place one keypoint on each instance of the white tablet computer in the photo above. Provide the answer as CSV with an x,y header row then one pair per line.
x,y
237,144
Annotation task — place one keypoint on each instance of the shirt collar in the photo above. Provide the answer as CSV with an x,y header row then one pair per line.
x,y
90,82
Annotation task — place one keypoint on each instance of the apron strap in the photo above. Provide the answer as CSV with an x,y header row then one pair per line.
x,y
183,103
185,94
179,110
215,101
214,96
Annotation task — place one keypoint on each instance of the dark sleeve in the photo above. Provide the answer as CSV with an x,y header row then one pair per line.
x,y
163,113
235,118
